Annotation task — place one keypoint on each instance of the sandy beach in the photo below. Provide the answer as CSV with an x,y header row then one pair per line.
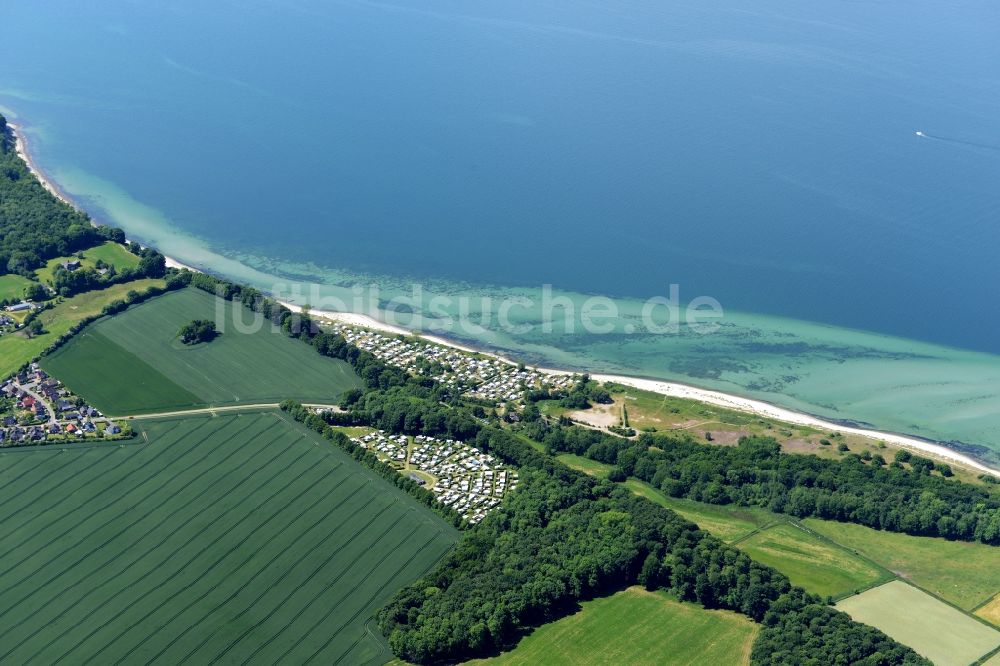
x,y
672,389
21,146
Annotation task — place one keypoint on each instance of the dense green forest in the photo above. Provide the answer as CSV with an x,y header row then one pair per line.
x,y
918,500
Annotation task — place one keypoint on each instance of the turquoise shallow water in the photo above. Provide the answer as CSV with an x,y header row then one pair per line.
x,y
765,156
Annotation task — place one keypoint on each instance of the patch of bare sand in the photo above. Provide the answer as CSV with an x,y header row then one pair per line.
x,y
727,437
799,445
598,416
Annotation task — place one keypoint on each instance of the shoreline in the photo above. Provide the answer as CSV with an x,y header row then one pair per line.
x,y
671,389
678,390
23,151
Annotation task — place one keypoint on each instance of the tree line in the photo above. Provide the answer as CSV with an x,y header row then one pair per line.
x,y
367,458
920,500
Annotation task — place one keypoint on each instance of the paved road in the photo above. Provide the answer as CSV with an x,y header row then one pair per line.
x,y
214,410
39,398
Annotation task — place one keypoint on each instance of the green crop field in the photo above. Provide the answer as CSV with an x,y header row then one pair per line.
x,y
637,627
237,539
133,362
934,629
811,562
12,287
966,574
16,349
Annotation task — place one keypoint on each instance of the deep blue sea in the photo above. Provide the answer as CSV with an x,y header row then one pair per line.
x,y
762,153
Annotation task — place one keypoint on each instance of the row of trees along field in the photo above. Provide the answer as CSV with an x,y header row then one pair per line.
x,y
918,500
561,538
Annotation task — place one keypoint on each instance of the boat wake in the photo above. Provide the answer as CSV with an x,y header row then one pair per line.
x,y
961,142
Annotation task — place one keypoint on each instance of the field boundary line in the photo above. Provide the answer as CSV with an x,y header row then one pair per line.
x,y
195,411
931,594
986,657
759,530
211,409
975,617
381,588
995,597
887,575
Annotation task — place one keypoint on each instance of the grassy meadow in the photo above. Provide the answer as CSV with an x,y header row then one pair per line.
x,y
965,574
636,627
837,559
585,465
139,349
109,252
810,562
12,287
231,539
934,629
16,349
